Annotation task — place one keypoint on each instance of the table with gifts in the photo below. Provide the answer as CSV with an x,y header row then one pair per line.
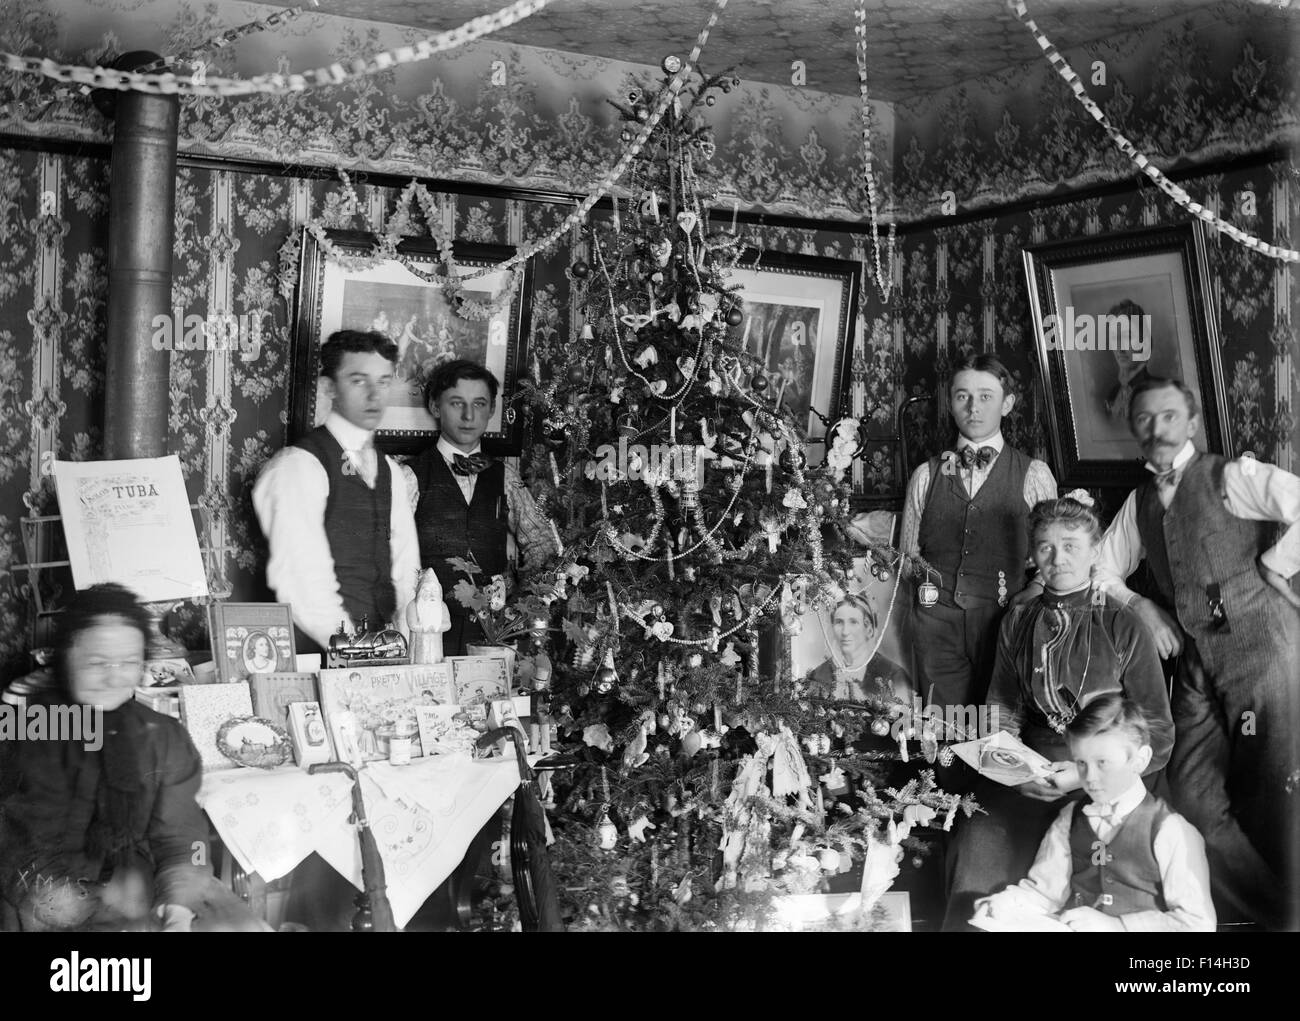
x,y
423,815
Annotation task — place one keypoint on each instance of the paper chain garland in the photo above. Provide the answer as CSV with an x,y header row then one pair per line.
x,y
1176,193
666,97
222,41
275,84
884,277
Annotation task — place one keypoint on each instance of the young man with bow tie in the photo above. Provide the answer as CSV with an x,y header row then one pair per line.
x,y
1224,606
967,514
337,514
467,505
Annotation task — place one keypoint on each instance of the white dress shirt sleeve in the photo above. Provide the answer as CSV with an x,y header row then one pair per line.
x,y
913,507
1046,890
1040,484
404,548
1256,491
289,500
1184,879
1120,553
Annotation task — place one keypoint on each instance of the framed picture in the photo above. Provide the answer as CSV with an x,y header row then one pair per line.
x,y
402,300
1108,312
840,650
799,315
250,638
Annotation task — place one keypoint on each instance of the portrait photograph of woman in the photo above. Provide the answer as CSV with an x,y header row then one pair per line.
x,y
259,653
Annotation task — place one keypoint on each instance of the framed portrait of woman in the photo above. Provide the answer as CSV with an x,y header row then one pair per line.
x,y
843,649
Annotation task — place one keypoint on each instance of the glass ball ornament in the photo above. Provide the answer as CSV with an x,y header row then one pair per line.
x,y
793,459
580,270
633,97
880,727
672,64
758,382
626,136
604,681
577,373
917,861
710,100
735,316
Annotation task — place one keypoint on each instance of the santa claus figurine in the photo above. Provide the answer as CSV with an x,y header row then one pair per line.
x,y
427,617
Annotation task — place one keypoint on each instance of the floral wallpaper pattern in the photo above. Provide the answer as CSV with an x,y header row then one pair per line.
x,y
960,286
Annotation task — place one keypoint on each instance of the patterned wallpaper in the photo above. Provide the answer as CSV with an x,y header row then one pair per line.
x,y
960,285
1185,94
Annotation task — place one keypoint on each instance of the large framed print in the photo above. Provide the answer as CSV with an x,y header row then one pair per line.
x,y
1109,311
403,299
799,314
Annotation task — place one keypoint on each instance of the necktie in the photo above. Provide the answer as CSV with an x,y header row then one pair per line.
x,y
1104,814
471,465
983,457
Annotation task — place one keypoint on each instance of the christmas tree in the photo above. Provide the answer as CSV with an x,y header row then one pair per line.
x,y
703,779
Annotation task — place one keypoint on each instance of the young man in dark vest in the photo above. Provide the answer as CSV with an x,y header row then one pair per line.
x,y
967,514
1224,606
337,514
468,505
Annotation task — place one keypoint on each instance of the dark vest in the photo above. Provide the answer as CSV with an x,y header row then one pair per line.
x,y
1125,869
969,541
358,526
1195,545
449,527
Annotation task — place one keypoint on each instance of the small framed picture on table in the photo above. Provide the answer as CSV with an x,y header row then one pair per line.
x,y
251,638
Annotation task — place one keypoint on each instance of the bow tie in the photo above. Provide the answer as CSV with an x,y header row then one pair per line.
x,y
471,465
971,457
1166,479
1105,813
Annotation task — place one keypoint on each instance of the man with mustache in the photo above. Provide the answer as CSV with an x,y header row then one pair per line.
x,y
337,513
1222,604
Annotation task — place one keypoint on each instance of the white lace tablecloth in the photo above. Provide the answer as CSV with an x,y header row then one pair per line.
x,y
424,817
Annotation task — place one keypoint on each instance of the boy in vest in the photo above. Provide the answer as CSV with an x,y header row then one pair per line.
x,y
967,514
1223,605
1125,862
337,514
467,505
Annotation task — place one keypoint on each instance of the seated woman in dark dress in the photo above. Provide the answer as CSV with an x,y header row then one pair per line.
x,y
100,830
849,674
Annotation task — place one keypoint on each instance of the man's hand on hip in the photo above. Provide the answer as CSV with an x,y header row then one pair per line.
x,y
1280,583
1164,629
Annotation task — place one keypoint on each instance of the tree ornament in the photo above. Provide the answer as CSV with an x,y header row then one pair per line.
x,y
580,270
710,100
880,726
829,859
672,64
606,833
735,316
626,136
606,677
758,382
642,113
577,373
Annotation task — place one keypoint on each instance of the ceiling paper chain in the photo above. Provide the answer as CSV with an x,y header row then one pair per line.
x,y
276,84
1125,146
223,40
666,97
884,276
